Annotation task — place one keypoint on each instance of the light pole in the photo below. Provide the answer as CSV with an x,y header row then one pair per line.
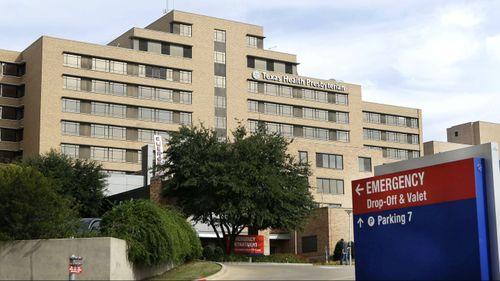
x,y
349,211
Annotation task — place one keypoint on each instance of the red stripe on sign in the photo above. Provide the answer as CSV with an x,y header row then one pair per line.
x,y
418,187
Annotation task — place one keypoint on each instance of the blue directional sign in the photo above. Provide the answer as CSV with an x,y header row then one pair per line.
x,y
422,224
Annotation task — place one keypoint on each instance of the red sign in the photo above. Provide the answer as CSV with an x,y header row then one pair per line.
x,y
248,244
430,185
75,269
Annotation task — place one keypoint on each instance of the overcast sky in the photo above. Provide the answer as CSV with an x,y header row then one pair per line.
x,y
440,56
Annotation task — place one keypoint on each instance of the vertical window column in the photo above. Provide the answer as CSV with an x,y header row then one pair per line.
x,y
220,83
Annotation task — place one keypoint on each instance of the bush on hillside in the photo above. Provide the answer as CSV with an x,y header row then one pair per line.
x,y
154,235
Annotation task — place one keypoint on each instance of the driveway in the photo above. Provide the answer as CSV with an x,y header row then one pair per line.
x,y
280,271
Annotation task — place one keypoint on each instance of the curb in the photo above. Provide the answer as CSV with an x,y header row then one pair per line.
x,y
222,271
269,263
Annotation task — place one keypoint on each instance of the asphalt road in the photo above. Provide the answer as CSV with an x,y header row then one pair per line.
x,y
274,271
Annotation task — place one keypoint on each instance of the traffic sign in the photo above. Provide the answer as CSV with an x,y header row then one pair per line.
x,y
426,223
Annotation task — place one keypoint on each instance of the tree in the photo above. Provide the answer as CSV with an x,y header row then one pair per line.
x,y
250,182
30,208
80,179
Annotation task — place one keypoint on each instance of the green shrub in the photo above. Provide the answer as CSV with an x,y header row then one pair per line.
x,y
280,258
154,235
208,252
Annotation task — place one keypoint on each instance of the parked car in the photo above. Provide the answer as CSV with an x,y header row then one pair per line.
x,y
89,225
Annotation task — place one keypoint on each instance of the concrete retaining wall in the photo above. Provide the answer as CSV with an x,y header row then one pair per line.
x,y
104,258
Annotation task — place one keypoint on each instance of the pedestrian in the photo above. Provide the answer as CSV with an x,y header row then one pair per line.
x,y
345,252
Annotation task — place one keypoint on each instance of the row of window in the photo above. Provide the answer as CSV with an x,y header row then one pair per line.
x,y
396,153
388,119
71,128
288,130
297,111
12,69
271,65
127,68
297,93
372,134
334,161
255,42
164,48
11,91
107,154
13,135
121,89
126,111
11,113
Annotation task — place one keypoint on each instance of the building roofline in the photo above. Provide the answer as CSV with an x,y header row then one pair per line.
x,y
173,11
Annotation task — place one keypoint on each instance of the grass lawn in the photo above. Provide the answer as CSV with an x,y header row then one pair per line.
x,y
190,271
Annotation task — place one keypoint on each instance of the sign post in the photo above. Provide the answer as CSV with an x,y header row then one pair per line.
x,y
426,223
75,266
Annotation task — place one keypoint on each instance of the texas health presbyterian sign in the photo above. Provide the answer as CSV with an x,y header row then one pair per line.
x,y
425,223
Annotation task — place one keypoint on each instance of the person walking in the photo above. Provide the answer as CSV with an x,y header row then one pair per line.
x,y
345,252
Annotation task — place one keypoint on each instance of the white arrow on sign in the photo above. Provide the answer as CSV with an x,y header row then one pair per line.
x,y
360,222
358,189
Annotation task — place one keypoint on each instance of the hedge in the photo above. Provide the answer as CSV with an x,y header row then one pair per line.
x,y
154,235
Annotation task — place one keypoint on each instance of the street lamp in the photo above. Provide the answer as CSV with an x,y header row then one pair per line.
x,y
349,211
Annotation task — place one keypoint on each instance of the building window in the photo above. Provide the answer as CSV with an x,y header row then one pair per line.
x,y
99,153
72,83
220,57
253,106
118,67
116,155
220,82
365,164
309,244
163,116
220,102
341,99
303,157
99,131
72,60
252,41
118,89
71,105
219,35
331,161
70,128
100,64
164,95
145,114
185,30
117,133
330,186
145,135
146,92
342,136
100,87
220,122
253,86
99,108
71,150
117,110
185,118
185,97
185,76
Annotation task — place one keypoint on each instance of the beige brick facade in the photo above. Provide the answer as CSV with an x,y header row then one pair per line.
x,y
92,101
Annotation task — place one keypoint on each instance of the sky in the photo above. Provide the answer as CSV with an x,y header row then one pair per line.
x,y
442,56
